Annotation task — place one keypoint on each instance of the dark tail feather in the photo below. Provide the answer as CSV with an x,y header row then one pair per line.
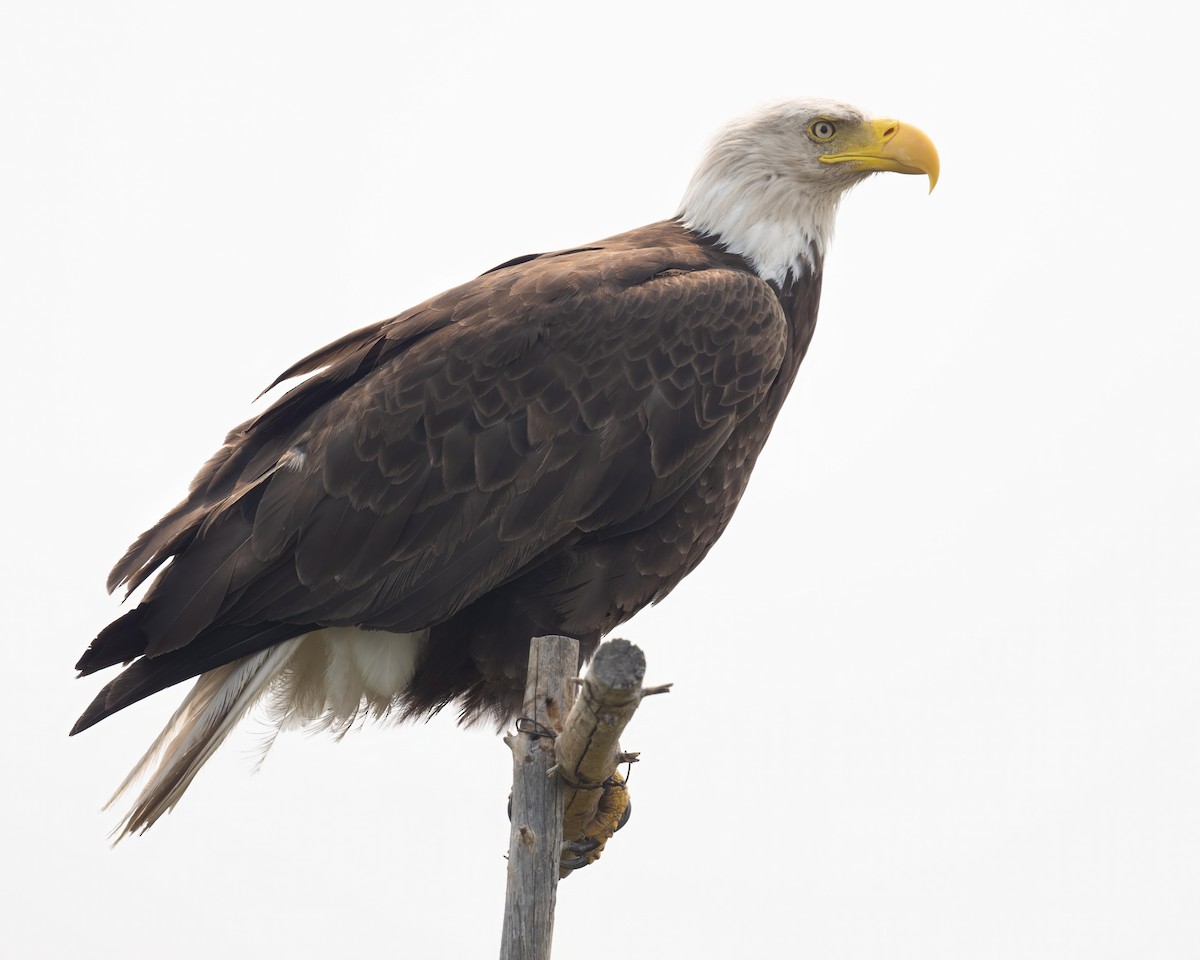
x,y
151,674
121,641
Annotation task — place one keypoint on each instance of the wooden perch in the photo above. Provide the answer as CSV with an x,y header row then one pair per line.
x,y
535,840
564,757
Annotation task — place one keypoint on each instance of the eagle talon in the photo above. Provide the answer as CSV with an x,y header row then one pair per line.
x,y
531,728
581,848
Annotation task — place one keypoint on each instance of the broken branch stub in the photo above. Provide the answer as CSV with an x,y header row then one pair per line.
x,y
587,750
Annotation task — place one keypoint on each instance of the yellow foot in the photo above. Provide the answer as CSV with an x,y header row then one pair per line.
x,y
612,812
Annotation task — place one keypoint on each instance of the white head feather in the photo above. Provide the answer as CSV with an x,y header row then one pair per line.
x,y
763,191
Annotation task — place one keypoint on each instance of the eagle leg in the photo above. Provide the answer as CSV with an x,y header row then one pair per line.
x,y
612,813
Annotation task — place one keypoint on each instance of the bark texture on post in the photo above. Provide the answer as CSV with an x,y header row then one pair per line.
x,y
535,842
588,749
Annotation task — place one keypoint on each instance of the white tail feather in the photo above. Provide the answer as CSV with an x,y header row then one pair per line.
x,y
343,675
208,713
324,680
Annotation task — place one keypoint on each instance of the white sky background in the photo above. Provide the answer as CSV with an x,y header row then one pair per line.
x,y
936,688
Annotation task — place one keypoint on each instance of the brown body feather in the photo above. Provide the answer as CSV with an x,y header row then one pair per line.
x,y
547,448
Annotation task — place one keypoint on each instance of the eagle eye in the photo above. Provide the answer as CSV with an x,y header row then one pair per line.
x,y
821,130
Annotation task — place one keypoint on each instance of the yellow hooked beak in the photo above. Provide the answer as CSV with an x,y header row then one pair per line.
x,y
888,145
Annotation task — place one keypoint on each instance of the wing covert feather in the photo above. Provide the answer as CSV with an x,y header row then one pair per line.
x,y
526,414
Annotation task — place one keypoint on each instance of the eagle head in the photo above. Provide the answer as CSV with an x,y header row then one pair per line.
x,y
769,185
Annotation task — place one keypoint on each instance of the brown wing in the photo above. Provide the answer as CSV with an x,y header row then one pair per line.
x,y
440,454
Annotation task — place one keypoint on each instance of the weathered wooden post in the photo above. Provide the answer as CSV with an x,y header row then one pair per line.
x,y
535,840
565,751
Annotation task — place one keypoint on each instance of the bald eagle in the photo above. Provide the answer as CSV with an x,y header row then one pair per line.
x,y
545,449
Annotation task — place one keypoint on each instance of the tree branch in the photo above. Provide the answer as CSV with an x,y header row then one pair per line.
x,y
588,750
